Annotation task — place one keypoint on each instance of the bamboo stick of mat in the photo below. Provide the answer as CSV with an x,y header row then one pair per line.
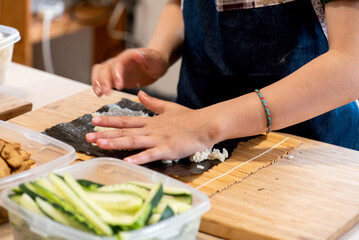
x,y
249,157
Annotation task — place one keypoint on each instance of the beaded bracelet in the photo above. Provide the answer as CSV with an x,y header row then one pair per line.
x,y
266,109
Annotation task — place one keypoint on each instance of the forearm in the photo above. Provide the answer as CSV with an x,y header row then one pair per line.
x,y
169,34
327,82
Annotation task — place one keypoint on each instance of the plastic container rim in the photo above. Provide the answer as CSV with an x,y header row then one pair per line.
x,y
12,38
36,172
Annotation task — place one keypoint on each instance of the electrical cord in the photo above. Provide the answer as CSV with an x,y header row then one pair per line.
x,y
112,23
46,42
49,9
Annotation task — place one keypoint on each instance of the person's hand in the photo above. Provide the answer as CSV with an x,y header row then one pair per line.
x,y
133,68
175,133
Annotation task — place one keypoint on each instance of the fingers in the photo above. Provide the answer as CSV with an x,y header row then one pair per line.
x,y
101,79
146,156
120,122
117,72
154,104
94,136
127,142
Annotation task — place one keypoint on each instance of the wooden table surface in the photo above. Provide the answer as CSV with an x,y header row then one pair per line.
x,y
311,195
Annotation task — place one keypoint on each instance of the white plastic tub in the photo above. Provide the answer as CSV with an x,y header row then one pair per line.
x,y
29,226
8,37
48,153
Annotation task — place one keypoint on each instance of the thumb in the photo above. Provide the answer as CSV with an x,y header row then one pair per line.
x,y
154,104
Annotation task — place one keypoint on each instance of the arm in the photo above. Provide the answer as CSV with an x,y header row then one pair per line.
x,y
169,33
133,68
327,82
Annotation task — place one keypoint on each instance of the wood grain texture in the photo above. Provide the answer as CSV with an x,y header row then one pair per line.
x,y
11,107
313,195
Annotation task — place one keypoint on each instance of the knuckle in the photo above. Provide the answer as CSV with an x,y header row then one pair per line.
x,y
123,122
122,132
132,141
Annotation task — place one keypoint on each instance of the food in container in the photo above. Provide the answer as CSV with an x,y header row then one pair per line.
x,y
47,153
101,176
8,37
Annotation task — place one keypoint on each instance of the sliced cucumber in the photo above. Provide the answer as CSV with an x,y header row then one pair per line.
x,y
177,206
35,191
125,188
15,197
27,202
173,191
101,227
161,213
46,184
147,208
116,200
185,198
57,215
17,190
89,185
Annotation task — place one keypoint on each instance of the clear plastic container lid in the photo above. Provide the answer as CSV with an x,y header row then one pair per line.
x,y
48,153
8,36
111,171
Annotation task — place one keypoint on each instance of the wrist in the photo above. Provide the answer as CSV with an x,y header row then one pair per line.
x,y
240,117
162,52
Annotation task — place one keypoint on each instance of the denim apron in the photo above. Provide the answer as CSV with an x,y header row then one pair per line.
x,y
230,53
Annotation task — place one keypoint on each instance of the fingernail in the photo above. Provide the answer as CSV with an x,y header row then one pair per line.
x,y
90,136
102,142
129,160
96,120
145,95
141,53
97,91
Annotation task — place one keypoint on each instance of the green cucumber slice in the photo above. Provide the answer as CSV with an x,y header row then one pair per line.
x,y
27,202
125,188
148,207
177,206
163,214
15,197
173,191
101,227
57,215
89,185
116,200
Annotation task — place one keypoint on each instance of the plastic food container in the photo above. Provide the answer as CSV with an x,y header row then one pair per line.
x,y
48,153
29,226
8,37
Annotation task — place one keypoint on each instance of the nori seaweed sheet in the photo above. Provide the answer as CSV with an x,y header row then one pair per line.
x,y
73,133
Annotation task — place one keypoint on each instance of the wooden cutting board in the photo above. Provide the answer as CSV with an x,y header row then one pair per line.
x,y
11,107
311,195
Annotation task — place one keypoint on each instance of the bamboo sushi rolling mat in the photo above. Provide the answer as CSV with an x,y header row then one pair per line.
x,y
249,157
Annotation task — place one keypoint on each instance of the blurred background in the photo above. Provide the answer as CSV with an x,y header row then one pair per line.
x,y
66,37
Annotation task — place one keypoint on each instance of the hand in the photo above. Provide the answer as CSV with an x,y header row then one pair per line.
x,y
132,68
175,133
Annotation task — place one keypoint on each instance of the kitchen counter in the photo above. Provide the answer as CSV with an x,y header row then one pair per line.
x,y
325,165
